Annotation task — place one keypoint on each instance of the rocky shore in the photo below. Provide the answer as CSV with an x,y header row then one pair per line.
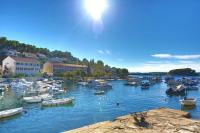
x,y
160,120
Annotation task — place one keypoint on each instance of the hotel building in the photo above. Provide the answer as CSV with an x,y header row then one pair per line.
x,y
18,65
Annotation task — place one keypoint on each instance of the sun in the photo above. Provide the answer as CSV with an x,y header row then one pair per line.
x,y
96,8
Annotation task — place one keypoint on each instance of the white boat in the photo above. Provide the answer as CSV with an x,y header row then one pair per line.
x,y
37,99
10,112
33,99
58,102
188,102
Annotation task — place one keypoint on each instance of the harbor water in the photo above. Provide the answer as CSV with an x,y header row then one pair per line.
x,y
88,108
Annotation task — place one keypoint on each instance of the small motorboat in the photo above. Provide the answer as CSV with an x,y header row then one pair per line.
x,y
99,93
10,112
33,99
188,102
56,102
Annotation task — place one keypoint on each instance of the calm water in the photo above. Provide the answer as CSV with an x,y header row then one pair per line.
x,y
89,108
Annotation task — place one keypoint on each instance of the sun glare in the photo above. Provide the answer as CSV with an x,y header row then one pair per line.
x,y
95,8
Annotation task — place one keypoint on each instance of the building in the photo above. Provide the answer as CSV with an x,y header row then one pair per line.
x,y
53,67
18,65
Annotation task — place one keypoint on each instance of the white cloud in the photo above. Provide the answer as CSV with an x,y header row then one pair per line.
x,y
165,66
100,51
182,57
165,56
107,52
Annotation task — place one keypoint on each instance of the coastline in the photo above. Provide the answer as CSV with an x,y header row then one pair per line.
x,y
162,120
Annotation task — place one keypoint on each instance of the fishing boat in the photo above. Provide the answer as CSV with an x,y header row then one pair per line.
x,y
10,112
99,93
56,102
188,102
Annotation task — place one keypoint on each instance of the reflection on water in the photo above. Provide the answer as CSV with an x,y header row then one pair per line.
x,y
88,108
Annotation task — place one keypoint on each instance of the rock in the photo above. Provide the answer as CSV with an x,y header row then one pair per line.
x,y
160,120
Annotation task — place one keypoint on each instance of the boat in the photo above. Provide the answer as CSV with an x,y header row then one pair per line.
x,y
10,112
179,90
99,93
56,102
145,85
99,84
33,99
37,99
188,102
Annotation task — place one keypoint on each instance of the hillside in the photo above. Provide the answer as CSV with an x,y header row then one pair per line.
x,y
96,68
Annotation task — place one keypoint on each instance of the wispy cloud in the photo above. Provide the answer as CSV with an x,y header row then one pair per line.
x,y
164,66
100,51
108,52
181,57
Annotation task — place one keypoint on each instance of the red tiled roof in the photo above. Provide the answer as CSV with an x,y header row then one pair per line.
x,y
20,59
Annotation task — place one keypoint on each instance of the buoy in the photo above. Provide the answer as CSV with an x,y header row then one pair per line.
x,y
117,104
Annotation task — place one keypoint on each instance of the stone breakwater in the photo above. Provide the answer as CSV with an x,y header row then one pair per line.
x,y
160,120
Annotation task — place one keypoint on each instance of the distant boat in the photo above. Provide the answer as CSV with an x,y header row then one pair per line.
x,y
58,102
99,92
188,102
10,112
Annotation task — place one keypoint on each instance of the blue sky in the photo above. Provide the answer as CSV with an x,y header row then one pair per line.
x,y
141,35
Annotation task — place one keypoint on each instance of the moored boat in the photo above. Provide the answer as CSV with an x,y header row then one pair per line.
x,y
56,102
33,99
188,102
10,112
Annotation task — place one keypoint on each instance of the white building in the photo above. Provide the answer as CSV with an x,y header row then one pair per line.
x,y
17,65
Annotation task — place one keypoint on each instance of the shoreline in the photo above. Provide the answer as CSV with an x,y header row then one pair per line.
x,y
161,120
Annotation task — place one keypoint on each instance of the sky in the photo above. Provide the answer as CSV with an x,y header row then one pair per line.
x,y
141,35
